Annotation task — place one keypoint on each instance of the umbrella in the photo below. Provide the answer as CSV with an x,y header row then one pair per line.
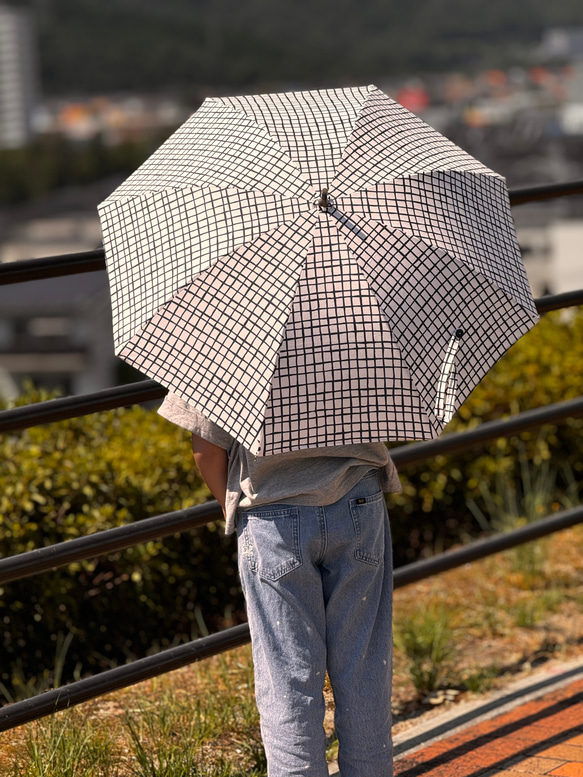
x,y
314,268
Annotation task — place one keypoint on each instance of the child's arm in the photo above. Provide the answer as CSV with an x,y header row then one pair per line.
x,y
212,465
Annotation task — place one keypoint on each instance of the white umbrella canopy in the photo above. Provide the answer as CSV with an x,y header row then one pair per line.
x,y
296,318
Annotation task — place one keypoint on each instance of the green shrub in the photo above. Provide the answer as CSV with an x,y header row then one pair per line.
x,y
543,367
83,475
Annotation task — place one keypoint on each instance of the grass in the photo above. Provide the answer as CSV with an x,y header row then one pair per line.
x,y
26,686
479,626
427,637
66,746
197,722
511,505
471,629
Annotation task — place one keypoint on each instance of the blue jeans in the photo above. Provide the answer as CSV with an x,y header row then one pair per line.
x,y
318,587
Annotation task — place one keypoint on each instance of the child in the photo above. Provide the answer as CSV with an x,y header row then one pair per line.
x,y
315,563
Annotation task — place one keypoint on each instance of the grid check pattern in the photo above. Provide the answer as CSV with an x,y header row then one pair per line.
x,y
205,344
389,141
312,127
340,377
175,234
158,230
292,327
427,296
466,214
216,146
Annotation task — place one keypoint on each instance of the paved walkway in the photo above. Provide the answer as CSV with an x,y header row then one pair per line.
x,y
542,736
534,728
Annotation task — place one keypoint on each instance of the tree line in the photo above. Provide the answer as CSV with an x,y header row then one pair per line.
x,y
93,46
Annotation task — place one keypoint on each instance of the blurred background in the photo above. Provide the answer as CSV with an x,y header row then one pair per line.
x,y
89,88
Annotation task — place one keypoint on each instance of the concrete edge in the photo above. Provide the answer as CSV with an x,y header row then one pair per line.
x,y
552,676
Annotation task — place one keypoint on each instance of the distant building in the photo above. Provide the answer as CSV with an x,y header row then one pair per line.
x,y
552,255
57,332
66,233
563,43
116,118
18,77
64,221
566,271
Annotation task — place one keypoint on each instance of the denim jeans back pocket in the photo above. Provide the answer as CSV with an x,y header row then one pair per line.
x,y
368,517
272,541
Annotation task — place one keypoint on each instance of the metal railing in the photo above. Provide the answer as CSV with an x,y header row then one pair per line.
x,y
33,562
121,537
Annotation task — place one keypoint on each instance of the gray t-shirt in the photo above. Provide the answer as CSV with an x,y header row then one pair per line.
x,y
315,476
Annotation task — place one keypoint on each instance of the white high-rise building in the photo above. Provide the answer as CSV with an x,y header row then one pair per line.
x,y
18,76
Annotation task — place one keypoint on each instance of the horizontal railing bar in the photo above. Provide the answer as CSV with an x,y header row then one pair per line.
x,y
20,712
567,299
34,562
545,191
60,409
52,266
451,559
91,261
16,714
417,452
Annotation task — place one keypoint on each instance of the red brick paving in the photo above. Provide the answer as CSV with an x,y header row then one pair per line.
x,y
570,769
540,737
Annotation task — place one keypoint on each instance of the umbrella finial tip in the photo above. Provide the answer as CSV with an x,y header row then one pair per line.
x,y
323,201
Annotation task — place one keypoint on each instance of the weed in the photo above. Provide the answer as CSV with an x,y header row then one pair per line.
x,y
510,506
526,613
482,679
492,620
550,600
163,743
428,640
252,748
24,687
332,749
167,734
176,733
68,745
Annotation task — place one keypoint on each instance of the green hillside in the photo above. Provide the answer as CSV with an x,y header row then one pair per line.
x,y
105,45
